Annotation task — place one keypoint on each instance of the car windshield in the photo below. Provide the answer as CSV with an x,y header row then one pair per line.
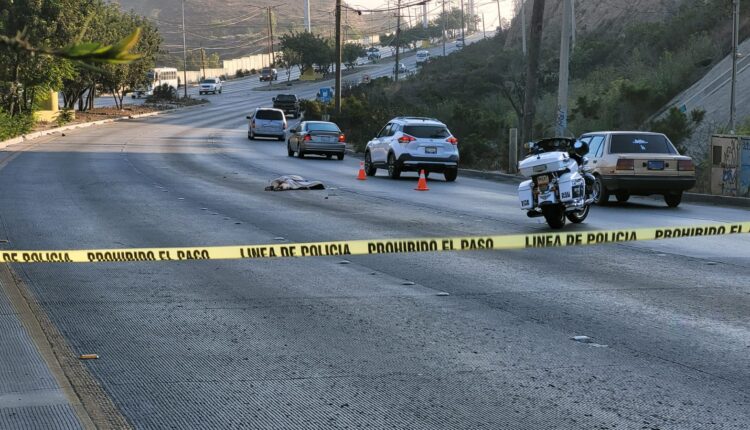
x,y
427,131
322,126
269,114
286,98
640,144
266,71
208,81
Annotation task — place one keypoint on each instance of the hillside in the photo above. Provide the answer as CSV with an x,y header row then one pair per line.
x,y
232,28
620,77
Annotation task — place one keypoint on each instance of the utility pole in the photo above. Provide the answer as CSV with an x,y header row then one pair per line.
x,y
306,11
462,23
337,90
272,56
532,69
184,50
735,43
562,85
424,15
398,34
444,18
499,15
203,61
484,30
523,26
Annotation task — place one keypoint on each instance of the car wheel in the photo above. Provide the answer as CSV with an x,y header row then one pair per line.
x,y
601,194
250,135
622,196
289,151
300,154
340,156
673,199
370,170
394,171
450,175
577,217
554,215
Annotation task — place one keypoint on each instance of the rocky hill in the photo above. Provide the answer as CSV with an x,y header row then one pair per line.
x,y
233,28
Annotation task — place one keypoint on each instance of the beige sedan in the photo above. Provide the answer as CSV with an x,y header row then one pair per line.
x,y
639,163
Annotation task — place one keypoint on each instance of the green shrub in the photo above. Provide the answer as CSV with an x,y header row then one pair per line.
x,y
163,93
239,73
65,116
12,126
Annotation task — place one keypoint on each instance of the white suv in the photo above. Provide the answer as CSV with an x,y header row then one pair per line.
x,y
210,85
411,144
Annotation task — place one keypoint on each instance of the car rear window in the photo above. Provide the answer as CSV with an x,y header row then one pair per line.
x,y
427,131
269,114
322,126
208,81
640,144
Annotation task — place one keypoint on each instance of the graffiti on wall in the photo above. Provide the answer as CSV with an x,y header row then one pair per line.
x,y
730,164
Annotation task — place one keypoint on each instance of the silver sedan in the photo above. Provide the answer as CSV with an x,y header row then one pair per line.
x,y
316,137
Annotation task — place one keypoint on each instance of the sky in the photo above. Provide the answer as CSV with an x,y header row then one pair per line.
x,y
488,7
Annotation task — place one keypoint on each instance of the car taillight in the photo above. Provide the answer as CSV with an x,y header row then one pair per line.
x,y
624,164
452,140
686,165
406,139
307,138
342,138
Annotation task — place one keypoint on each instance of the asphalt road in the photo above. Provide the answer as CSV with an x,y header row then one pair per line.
x,y
314,343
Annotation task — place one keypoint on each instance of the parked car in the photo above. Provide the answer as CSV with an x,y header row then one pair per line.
x,y
267,122
423,56
210,85
411,144
460,42
316,137
289,103
268,74
373,54
639,163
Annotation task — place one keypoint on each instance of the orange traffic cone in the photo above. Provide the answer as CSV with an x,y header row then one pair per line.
x,y
422,184
361,176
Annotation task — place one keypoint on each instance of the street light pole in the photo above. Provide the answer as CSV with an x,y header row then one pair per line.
x,y
337,90
184,50
398,35
735,42
444,18
562,89
463,41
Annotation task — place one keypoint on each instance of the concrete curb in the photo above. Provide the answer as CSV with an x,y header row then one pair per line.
x,y
37,134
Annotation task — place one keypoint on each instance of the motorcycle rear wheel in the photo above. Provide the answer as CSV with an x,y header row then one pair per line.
x,y
555,216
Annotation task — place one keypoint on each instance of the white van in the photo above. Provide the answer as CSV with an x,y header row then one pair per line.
x,y
422,57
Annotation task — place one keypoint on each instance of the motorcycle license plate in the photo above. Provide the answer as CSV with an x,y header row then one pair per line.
x,y
542,180
430,150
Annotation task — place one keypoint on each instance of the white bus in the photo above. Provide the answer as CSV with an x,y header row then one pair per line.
x,y
155,78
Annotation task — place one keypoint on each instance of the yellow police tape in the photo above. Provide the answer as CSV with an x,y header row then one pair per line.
x,y
379,246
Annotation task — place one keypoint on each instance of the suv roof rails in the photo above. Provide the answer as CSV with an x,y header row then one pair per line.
x,y
423,118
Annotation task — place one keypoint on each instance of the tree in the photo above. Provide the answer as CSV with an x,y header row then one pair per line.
x,y
351,52
307,49
120,78
532,69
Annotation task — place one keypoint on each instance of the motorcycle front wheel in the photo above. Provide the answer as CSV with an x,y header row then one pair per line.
x,y
577,217
555,216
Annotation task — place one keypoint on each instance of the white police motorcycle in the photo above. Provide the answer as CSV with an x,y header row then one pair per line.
x,y
558,188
